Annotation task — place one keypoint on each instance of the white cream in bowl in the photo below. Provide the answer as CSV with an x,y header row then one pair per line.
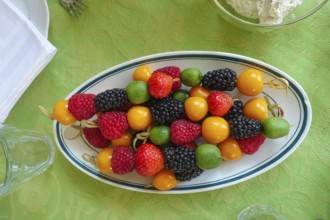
x,y
267,11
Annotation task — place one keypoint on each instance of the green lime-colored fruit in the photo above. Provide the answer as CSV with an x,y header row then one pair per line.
x,y
137,92
160,135
275,127
208,156
181,95
191,77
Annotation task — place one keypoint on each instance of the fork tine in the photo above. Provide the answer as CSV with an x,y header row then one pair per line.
x,y
80,6
74,7
73,11
82,2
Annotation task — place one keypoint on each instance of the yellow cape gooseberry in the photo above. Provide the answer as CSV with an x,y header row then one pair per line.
x,y
124,140
164,180
195,108
142,73
103,160
256,108
139,117
250,82
215,129
199,91
230,149
61,113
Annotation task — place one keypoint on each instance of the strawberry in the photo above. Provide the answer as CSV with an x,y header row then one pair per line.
x,y
174,72
184,131
95,137
149,160
113,124
160,85
250,145
123,160
219,103
82,106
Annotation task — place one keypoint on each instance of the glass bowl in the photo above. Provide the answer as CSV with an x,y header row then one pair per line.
x,y
264,212
301,12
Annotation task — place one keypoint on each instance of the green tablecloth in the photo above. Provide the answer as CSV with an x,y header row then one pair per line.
x,y
111,32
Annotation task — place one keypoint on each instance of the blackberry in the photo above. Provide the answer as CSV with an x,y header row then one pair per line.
x,y
243,127
188,175
235,111
166,110
220,79
179,159
111,99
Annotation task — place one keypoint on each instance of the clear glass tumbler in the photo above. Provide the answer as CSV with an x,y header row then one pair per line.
x,y
24,154
260,212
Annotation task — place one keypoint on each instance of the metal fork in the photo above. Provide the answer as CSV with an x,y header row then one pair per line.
x,y
74,7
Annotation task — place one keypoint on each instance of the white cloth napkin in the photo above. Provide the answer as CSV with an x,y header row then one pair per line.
x,y
24,53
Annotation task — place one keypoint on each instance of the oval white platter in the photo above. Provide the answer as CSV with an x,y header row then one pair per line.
x,y
294,101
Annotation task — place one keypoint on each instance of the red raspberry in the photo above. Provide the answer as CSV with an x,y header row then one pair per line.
x,y
219,103
184,131
160,85
123,160
95,137
251,144
174,72
113,124
82,106
149,160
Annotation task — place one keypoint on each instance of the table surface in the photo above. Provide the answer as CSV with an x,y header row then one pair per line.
x,y
111,32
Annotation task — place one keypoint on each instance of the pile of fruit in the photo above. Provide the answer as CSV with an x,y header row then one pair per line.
x,y
172,124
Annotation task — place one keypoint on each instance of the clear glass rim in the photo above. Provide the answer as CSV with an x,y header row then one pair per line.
x,y
268,26
254,210
4,148
4,151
